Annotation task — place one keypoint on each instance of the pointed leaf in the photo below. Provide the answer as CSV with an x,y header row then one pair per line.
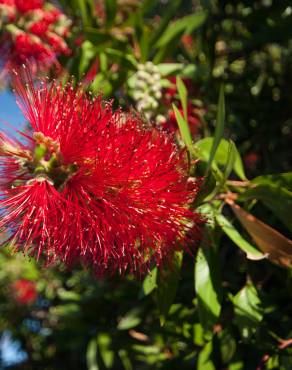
x,y
183,95
219,129
167,282
183,127
208,288
251,252
248,313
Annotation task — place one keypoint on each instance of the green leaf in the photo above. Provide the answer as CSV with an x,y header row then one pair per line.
x,y
110,10
88,52
122,58
277,199
208,288
104,345
166,69
202,150
184,25
183,95
91,355
130,320
204,358
149,283
83,11
278,179
97,36
251,252
183,127
248,313
231,158
125,359
167,282
219,129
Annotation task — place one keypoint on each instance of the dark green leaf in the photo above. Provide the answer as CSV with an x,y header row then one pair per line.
x,y
187,24
277,199
248,313
167,282
208,288
219,129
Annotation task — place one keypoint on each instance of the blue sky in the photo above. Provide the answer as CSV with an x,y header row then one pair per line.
x,y
9,111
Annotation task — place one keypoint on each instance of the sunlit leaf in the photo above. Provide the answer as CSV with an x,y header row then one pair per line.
x,y
183,127
251,252
207,287
248,313
203,149
183,95
149,283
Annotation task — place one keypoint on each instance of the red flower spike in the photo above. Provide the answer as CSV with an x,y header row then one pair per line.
x,y
25,6
33,32
93,186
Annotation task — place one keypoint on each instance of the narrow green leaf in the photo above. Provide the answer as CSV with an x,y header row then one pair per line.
x,y
110,10
208,288
88,52
204,358
91,355
104,345
248,313
251,252
202,150
183,95
149,283
167,282
125,359
184,25
231,158
183,127
130,320
83,12
278,179
219,129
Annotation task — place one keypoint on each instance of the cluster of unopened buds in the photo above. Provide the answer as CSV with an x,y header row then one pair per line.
x,y
147,89
32,31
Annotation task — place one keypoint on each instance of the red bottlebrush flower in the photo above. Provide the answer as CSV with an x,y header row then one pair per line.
x,y
24,291
39,28
25,6
36,35
29,48
93,186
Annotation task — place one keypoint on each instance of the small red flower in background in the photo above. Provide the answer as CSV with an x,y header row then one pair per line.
x,y
32,31
193,112
251,160
93,186
24,291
